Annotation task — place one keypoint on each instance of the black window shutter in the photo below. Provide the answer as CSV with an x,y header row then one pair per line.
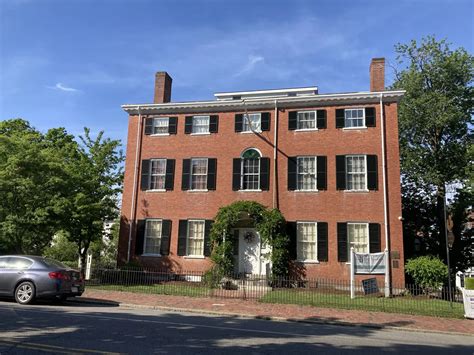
x,y
182,237
169,180
374,238
321,119
149,125
291,232
322,241
239,122
372,176
236,241
264,173
292,173
370,116
342,242
340,172
188,125
186,177
165,237
321,172
145,181
140,236
265,121
213,124
236,174
211,173
207,237
292,120
173,125
340,118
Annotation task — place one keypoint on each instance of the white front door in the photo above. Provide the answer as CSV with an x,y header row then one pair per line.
x,y
253,259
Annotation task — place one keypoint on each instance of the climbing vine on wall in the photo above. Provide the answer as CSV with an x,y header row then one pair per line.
x,y
270,224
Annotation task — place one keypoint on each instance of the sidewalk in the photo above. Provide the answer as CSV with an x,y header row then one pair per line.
x,y
254,309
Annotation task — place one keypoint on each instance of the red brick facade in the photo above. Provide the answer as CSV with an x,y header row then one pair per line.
x,y
330,205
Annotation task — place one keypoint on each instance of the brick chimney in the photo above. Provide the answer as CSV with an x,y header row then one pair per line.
x,y
162,87
377,74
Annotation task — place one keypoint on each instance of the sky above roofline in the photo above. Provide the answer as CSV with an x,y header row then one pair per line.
x,y
74,63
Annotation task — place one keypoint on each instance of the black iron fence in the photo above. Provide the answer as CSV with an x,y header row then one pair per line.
x,y
318,292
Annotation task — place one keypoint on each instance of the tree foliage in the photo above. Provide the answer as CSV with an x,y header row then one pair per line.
x,y
435,120
428,272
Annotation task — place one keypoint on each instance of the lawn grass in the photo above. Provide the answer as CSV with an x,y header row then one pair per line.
x,y
415,305
172,289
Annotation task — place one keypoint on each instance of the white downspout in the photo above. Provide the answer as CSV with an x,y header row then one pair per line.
x,y
275,149
135,177
385,209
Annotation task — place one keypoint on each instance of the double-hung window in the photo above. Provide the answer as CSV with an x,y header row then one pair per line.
x,y
250,170
354,118
356,172
161,125
200,124
195,236
306,120
153,230
251,122
306,169
358,237
199,174
157,174
306,234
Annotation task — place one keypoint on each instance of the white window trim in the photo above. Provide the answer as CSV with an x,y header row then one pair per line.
x,y
307,129
297,173
308,261
349,243
160,134
366,182
145,237
191,175
242,176
195,256
149,175
364,124
244,119
208,125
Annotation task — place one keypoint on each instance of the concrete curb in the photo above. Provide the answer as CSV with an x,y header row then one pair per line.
x,y
269,318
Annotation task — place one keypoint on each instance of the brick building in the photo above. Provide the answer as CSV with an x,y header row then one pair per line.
x,y
328,162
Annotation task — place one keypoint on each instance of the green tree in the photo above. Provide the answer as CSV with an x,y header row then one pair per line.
x,y
95,182
31,188
435,117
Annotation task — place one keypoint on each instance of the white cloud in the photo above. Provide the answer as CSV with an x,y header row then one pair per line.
x,y
253,60
60,86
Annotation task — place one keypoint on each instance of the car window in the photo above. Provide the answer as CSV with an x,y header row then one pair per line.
x,y
19,263
54,263
3,263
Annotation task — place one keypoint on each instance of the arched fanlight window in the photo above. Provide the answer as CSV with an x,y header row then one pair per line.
x,y
250,169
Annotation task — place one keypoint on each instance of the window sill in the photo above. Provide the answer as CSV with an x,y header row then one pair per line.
x,y
159,135
250,132
353,128
306,129
355,191
152,255
258,190
156,190
201,134
303,191
194,257
194,191
308,261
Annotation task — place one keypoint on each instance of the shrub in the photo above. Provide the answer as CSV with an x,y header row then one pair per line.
x,y
469,283
428,272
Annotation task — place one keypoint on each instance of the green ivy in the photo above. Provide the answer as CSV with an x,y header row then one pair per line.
x,y
269,223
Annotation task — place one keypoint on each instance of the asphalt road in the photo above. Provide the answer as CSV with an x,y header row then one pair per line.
x,y
84,329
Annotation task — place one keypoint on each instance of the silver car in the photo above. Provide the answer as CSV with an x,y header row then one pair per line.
x,y
29,277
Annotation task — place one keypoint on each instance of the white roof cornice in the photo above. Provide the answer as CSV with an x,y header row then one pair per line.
x,y
264,103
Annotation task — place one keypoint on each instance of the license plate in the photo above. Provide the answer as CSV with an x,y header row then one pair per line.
x,y
74,289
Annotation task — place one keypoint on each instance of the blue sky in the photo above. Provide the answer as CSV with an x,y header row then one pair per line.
x,y
73,63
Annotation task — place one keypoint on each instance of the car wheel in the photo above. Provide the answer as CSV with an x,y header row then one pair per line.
x,y
25,292
61,298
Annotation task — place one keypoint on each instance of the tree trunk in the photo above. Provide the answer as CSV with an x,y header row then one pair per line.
x,y
83,262
440,198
